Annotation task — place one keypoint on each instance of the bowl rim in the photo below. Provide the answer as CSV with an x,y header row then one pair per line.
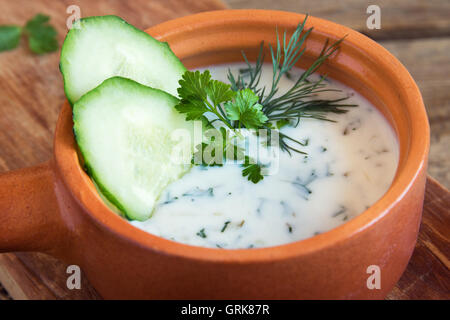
x,y
82,189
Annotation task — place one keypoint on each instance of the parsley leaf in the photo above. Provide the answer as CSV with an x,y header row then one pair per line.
x,y
246,109
193,85
219,92
200,94
200,86
41,35
194,108
9,37
252,170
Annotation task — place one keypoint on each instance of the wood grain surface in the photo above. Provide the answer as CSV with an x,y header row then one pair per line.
x,y
31,94
400,19
428,61
428,275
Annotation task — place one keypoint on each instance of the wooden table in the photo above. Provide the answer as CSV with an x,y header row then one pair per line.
x,y
31,94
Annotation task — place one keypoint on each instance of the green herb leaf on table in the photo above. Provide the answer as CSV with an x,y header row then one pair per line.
x,y
42,37
9,37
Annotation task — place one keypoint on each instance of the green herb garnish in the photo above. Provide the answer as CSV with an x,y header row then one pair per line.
x,y
202,233
289,227
197,192
302,185
245,104
252,170
42,37
199,95
9,37
225,226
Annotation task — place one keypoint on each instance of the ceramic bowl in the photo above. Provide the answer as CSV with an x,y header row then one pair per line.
x,y
55,208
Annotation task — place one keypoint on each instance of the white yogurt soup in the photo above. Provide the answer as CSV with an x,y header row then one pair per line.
x,y
349,165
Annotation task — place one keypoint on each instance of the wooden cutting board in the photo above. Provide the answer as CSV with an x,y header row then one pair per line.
x,y
31,95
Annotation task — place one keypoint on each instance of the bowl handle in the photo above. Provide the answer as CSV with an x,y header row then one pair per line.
x,y
29,213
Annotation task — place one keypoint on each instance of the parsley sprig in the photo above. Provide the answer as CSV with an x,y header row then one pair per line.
x,y
42,37
201,96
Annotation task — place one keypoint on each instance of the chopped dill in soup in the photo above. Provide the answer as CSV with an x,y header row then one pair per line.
x,y
349,164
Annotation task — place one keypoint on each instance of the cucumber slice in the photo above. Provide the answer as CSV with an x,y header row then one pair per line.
x,y
126,135
107,46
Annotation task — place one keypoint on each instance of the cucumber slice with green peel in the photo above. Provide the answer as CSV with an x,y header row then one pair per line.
x,y
107,46
129,139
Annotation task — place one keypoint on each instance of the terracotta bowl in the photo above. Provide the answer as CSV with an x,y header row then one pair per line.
x,y
54,207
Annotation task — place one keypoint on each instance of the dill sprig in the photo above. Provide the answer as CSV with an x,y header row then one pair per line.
x,y
299,101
